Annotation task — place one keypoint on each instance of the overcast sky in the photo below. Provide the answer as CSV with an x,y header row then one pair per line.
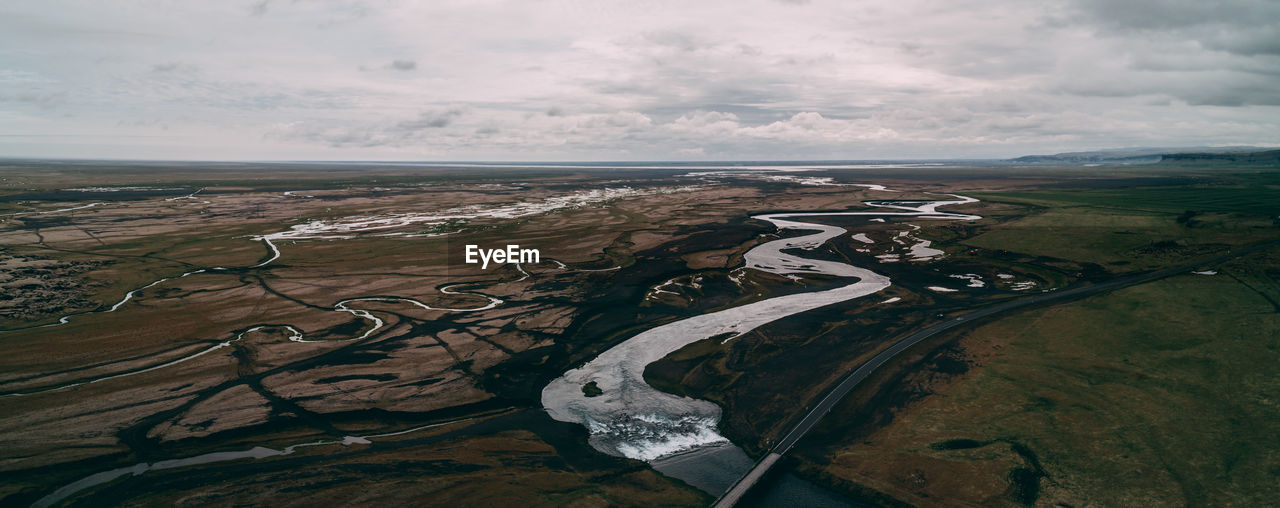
x,y
634,80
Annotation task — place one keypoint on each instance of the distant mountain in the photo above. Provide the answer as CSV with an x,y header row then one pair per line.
x,y
1255,157
1141,155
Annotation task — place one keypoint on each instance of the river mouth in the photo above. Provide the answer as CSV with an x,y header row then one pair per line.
x,y
678,435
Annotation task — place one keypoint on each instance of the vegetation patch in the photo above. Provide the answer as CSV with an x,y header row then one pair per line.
x,y
1148,394
958,444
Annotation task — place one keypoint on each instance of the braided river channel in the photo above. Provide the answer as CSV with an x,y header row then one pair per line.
x,y
678,435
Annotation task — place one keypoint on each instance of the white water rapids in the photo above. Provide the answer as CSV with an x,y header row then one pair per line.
x,y
632,419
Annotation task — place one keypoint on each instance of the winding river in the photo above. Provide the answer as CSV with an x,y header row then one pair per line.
x,y
632,419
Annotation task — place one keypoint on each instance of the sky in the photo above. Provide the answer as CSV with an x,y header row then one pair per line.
x,y
610,80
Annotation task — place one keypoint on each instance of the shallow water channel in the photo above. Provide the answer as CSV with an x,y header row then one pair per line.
x,y
678,435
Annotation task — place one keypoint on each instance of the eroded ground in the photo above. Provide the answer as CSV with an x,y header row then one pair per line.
x,y
368,323
163,320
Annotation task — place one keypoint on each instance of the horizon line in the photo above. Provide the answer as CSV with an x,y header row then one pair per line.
x,y
1150,150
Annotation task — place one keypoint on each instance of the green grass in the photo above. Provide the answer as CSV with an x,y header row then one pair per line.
x,y
1255,199
1159,394
1130,229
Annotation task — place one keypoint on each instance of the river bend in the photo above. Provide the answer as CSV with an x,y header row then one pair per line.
x,y
632,419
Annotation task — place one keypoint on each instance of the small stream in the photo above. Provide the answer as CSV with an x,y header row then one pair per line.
x,y
257,452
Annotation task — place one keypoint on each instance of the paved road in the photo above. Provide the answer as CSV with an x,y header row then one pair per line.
x,y
849,382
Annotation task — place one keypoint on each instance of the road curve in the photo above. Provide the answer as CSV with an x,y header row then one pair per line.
x,y
851,381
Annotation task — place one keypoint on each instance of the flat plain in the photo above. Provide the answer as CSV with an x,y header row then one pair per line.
x,y
370,343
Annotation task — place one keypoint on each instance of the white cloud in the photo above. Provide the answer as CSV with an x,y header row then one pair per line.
x,y
750,79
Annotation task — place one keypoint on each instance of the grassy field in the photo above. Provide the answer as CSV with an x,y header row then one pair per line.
x,y
1160,394
1155,395
1249,193
1101,227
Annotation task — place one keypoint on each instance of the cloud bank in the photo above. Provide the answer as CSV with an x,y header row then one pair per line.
x,y
561,80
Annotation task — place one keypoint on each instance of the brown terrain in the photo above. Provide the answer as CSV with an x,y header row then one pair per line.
x,y
392,360
211,360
